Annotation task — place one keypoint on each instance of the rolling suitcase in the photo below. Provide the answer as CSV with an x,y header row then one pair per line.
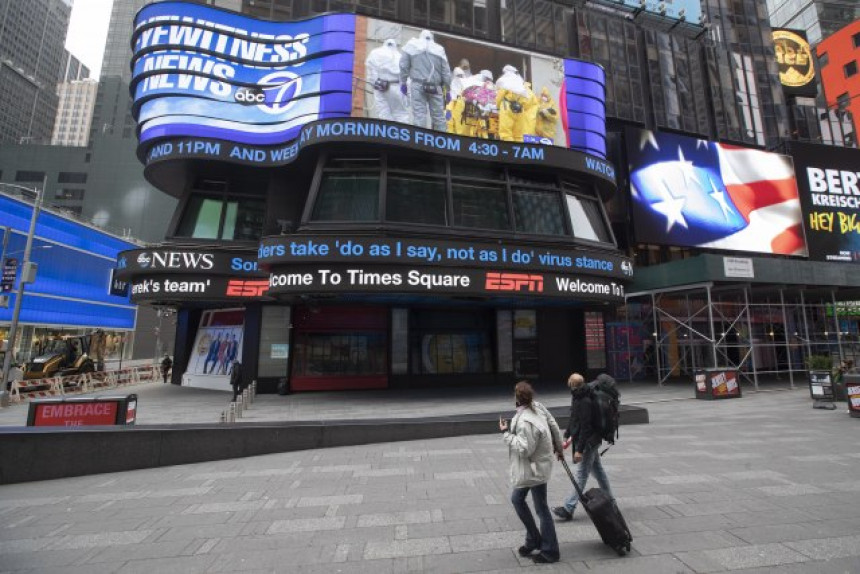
x,y
605,515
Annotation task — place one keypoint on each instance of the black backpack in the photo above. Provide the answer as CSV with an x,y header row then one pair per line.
x,y
606,401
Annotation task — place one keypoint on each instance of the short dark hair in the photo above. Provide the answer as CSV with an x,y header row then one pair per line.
x,y
524,394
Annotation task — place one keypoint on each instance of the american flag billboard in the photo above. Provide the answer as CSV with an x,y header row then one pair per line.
x,y
697,193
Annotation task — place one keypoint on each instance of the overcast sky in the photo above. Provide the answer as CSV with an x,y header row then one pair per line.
x,y
87,32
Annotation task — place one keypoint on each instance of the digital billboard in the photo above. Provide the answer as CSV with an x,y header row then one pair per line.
x,y
697,193
205,72
796,65
828,179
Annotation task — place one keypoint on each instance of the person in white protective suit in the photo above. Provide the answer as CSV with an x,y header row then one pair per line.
x,y
383,74
425,64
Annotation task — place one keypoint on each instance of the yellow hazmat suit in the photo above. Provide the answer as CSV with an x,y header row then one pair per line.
x,y
512,100
547,116
530,111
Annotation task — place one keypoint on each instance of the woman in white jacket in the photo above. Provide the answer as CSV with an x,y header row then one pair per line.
x,y
533,440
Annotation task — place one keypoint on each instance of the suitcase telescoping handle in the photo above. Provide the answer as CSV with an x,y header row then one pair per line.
x,y
573,480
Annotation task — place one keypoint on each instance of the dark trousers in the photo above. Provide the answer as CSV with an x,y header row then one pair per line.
x,y
544,538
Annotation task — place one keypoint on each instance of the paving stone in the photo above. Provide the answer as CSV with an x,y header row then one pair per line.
x,y
329,500
121,554
307,524
755,556
469,561
669,543
827,548
177,565
399,548
640,565
407,517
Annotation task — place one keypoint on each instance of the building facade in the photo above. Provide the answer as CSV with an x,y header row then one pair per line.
x,y
322,245
839,60
32,35
74,112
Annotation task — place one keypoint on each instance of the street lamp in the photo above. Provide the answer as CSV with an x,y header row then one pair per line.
x,y
27,276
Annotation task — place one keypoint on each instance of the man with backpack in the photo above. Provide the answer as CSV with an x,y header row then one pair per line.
x,y
586,436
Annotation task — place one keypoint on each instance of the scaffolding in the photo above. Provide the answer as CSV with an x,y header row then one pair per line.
x,y
759,331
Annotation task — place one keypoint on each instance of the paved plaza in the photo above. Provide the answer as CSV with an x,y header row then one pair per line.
x,y
759,484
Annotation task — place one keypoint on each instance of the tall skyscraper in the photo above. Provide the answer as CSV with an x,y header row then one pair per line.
x,y
73,69
32,35
74,112
818,18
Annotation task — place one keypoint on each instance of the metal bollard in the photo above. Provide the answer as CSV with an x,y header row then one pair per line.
x,y
254,389
231,413
239,406
246,398
224,416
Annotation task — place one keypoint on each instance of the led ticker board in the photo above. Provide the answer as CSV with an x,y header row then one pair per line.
x,y
796,65
203,72
697,193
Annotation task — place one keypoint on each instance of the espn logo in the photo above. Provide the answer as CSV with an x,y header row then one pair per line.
x,y
514,282
247,288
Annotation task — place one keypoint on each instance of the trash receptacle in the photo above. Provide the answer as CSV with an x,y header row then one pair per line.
x,y
717,384
83,411
283,386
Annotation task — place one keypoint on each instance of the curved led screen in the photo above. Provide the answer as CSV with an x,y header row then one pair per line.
x,y
205,72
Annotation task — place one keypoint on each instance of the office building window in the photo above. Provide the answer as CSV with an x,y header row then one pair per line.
x,y
227,218
850,69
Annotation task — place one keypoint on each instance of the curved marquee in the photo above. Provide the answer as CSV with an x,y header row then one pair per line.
x,y
199,71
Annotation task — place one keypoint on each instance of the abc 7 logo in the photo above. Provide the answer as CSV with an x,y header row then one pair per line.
x,y
280,89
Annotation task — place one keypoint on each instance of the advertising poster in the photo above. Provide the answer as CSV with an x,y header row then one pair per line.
x,y
459,86
795,61
828,178
698,193
724,383
218,343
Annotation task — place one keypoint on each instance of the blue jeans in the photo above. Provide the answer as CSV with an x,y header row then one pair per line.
x,y
544,538
590,464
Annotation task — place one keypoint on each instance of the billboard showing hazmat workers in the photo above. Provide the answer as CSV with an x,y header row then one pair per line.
x,y
457,85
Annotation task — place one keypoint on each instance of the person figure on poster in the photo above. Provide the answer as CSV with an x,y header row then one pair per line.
x,y
223,352
534,440
547,116
454,109
212,355
424,65
586,444
166,365
530,110
383,74
512,98
233,351
236,378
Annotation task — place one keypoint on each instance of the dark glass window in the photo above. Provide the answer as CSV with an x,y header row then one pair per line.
x,y
230,219
69,193
856,39
348,197
480,205
71,177
416,199
29,175
851,69
538,212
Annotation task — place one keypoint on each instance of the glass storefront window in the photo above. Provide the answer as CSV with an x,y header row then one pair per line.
x,y
451,342
339,354
538,212
480,205
414,199
348,197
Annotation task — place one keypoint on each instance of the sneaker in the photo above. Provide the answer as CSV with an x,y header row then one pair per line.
x,y
525,550
543,559
562,513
